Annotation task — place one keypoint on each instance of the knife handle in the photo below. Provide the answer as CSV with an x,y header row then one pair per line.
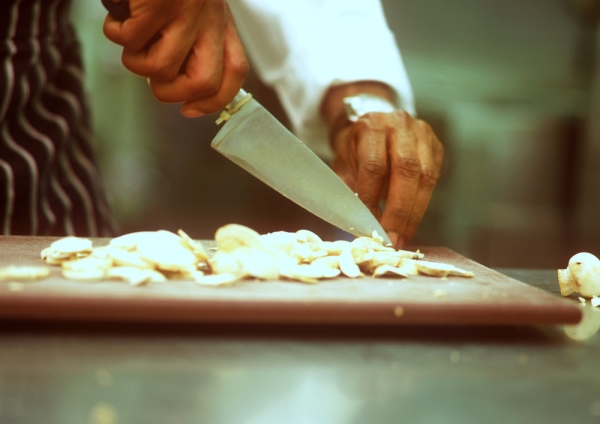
x,y
119,10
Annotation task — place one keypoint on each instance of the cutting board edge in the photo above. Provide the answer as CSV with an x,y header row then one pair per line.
x,y
276,312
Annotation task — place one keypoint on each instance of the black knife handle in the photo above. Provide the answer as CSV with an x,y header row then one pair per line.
x,y
119,10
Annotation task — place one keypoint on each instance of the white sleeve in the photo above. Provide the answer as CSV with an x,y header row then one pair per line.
x,y
302,47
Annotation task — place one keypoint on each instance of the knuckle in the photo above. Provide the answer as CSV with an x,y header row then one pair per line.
x,y
402,116
398,213
424,126
240,67
362,125
365,127
428,178
206,86
408,167
149,68
375,168
162,73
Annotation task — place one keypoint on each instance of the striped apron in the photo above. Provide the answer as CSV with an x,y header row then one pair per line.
x,y
49,180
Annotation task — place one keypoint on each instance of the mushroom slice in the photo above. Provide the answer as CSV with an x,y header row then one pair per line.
x,y
136,276
155,276
438,269
306,236
409,255
133,275
568,284
232,236
126,258
334,247
382,270
224,263
257,263
89,262
184,273
88,268
332,262
378,258
132,241
24,272
167,256
71,245
281,241
51,257
194,245
408,266
307,252
311,272
92,274
217,279
347,264
375,236
369,243
302,272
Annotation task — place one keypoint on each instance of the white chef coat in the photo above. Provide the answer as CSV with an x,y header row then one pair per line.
x,y
302,47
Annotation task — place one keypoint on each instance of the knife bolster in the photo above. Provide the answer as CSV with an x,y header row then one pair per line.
x,y
240,100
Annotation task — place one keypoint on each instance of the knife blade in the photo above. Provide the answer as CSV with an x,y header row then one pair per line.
x,y
256,141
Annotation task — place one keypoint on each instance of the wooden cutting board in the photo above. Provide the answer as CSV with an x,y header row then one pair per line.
x,y
488,298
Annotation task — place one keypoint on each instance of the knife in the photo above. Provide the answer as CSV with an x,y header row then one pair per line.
x,y
256,141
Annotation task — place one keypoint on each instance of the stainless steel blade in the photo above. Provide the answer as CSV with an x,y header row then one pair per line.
x,y
256,141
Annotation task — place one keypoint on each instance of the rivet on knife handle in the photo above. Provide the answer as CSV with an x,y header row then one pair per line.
x,y
236,104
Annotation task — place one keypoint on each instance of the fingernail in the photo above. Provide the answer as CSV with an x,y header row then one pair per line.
x,y
191,113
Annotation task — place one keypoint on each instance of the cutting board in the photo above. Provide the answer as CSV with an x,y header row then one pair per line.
x,y
490,298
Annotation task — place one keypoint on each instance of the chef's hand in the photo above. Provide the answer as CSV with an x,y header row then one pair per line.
x,y
189,50
386,156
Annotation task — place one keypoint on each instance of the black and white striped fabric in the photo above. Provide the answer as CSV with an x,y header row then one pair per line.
x,y
49,181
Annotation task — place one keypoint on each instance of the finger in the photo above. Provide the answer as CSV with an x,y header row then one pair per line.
x,y
372,163
183,42
234,72
201,76
167,58
405,171
143,25
112,29
164,58
431,157
344,160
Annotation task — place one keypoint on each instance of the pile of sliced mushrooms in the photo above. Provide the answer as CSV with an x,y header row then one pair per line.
x,y
240,253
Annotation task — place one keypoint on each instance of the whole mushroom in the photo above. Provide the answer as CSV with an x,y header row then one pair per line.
x,y
581,276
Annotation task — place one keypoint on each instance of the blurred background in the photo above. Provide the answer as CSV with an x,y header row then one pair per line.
x,y
508,86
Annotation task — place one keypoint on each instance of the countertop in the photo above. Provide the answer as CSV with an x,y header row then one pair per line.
x,y
180,373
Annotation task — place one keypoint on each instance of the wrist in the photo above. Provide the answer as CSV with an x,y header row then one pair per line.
x,y
344,104
354,107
